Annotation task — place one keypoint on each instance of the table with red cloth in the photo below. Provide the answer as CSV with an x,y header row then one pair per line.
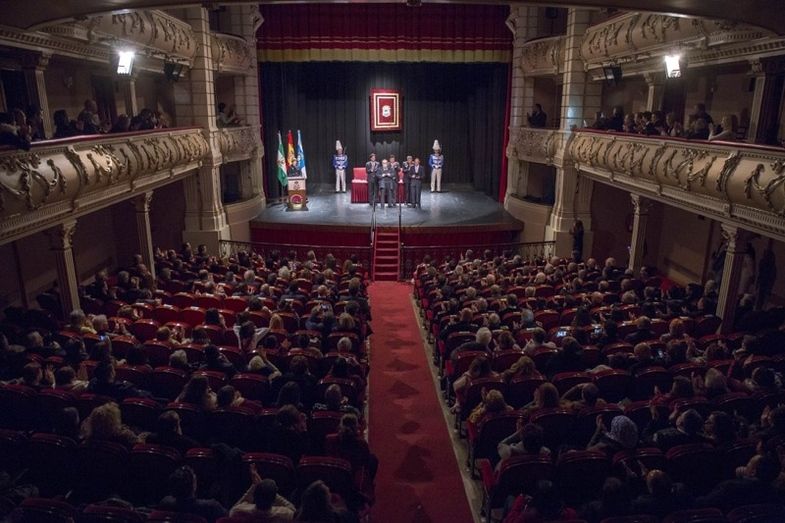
x,y
360,186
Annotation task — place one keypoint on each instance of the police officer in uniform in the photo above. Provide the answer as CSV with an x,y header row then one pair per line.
x,y
340,164
436,163
371,169
416,173
386,177
407,165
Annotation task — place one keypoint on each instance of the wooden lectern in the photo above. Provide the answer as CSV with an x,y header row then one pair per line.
x,y
297,196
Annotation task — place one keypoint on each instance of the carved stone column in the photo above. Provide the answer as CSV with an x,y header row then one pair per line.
x,y
753,129
581,98
736,241
205,219
522,22
640,218
34,65
572,202
656,85
61,244
143,230
245,20
129,93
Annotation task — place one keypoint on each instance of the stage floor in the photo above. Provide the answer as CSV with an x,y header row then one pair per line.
x,y
457,205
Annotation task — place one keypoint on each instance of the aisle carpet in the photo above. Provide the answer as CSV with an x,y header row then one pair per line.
x,y
418,479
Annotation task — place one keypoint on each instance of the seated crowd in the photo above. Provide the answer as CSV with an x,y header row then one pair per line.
x,y
20,128
195,383
701,126
559,371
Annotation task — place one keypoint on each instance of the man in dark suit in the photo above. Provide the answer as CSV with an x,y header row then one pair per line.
x,y
406,168
415,176
537,118
385,179
371,168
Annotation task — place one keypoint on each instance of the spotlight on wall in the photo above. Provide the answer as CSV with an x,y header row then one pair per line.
x,y
673,66
125,62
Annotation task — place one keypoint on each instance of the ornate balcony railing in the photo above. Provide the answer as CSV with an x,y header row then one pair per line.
x,y
238,143
231,54
631,36
74,176
728,181
535,145
543,56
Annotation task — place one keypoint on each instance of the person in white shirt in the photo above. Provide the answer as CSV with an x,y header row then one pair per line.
x,y
262,503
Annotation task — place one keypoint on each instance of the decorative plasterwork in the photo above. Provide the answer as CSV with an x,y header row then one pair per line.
x,y
238,143
154,30
542,57
631,36
51,182
232,54
732,183
534,145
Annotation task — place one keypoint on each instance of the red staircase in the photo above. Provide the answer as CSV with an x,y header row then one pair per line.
x,y
386,254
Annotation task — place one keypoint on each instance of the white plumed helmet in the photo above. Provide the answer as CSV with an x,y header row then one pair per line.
x,y
436,146
338,145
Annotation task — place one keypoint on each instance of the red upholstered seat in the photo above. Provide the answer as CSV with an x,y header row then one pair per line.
x,y
335,472
321,424
515,475
149,467
520,391
166,313
231,426
140,412
109,514
252,386
574,468
168,382
40,510
274,466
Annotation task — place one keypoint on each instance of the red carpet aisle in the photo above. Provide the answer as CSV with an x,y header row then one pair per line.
x,y
418,480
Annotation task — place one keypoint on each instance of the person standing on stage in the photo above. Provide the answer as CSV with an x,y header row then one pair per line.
x,y
407,167
415,175
436,163
372,169
386,183
340,163
395,166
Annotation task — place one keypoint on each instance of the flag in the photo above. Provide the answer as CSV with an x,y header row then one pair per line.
x,y
289,150
301,154
281,161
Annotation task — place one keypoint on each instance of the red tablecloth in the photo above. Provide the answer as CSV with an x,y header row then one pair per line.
x,y
360,192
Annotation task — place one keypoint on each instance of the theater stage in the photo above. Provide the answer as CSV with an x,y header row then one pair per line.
x,y
448,223
457,206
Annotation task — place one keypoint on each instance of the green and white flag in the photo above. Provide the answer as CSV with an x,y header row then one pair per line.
x,y
281,161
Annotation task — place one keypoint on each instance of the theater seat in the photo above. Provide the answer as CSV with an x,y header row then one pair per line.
x,y
276,467
335,472
162,516
484,439
320,425
39,510
141,413
696,465
515,475
701,515
252,386
581,474
51,460
762,513
149,468
168,382
100,469
233,426
109,514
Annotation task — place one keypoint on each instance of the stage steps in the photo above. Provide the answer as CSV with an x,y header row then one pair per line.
x,y
386,254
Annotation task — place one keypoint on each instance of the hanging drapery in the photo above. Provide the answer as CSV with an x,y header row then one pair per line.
x,y
446,33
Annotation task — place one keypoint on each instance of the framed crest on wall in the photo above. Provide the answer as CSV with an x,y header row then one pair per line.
x,y
386,110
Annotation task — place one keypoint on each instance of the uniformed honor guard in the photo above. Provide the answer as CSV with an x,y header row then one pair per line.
x,y
371,169
340,164
436,163
407,167
396,167
386,179
416,173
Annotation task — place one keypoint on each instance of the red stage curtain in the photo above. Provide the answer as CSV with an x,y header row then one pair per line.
x,y
387,32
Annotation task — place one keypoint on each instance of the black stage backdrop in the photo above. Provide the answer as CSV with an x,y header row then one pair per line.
x,y
461,105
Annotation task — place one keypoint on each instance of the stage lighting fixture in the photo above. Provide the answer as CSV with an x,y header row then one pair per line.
x,y
673,66
173,71
125,62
